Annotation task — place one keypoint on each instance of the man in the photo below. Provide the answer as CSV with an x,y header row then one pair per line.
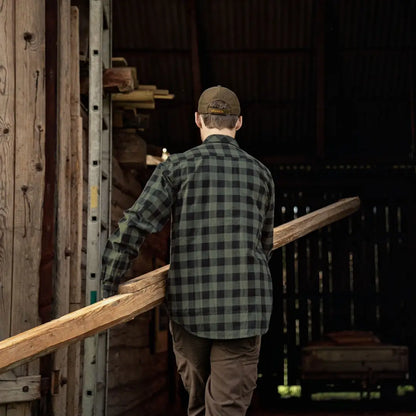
x,y
219,291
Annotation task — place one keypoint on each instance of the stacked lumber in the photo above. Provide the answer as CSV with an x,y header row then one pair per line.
x,y
120,79
131,105
143,97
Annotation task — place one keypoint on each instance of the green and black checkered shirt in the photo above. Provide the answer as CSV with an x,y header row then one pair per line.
x,y
221,202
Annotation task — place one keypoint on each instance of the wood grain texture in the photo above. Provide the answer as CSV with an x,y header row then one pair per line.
x,y
29,37
21,389
77,325
64,203
299,227
76,186
7,158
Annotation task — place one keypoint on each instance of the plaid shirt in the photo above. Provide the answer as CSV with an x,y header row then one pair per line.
x,y
221,202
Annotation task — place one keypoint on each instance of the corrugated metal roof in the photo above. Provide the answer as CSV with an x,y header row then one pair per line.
x,y
266,51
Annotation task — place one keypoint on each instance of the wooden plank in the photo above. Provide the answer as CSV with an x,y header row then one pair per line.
x,y
326,280
147,87
164,96
304,282
364,273
132,105
141,282
315,287
134,96
76,196
76,193
118,61
29,33
79,324
341,278
295,229
291,313
76,166
7,158
22,389
136,296
63,223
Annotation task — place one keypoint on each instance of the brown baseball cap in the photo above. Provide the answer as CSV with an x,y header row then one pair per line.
x,y
219,93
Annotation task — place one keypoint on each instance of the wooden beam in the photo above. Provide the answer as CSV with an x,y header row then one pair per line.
x,y
164,96
64,202
282,235
134,96
76,217
132,105
7,157
21,389
291,231
80,324
137,296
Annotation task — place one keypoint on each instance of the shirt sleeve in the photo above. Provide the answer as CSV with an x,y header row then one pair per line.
x,y
149,214
268,225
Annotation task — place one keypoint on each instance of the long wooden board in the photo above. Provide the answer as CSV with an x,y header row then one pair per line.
x,y
137,296
301,226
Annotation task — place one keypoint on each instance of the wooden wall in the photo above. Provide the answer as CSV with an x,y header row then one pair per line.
x,y
22,164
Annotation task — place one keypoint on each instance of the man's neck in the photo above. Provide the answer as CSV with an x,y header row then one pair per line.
x,y
205,132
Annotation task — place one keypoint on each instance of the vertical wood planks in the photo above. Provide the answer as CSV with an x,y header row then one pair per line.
x,y
291,300
341,308
22,165
63,223
74,350
30,165
365,272
7,155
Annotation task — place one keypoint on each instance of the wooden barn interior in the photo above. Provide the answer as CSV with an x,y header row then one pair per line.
x,y
95,93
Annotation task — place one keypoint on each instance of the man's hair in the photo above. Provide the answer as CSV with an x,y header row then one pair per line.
x,y
215,121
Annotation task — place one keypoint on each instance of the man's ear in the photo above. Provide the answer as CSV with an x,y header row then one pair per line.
x,y
198,120
239,123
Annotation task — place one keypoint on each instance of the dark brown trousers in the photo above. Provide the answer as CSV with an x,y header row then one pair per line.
x,y
219,375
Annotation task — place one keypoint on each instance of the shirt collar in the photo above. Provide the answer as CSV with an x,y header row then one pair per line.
x,y
221,138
